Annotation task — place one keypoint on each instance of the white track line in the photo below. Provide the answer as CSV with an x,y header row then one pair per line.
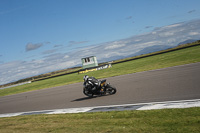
x,y
139,106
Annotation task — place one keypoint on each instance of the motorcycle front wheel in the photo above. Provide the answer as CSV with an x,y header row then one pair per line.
x,y
111,89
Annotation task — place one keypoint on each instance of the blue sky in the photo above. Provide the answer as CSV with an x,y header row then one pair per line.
x,y
34,33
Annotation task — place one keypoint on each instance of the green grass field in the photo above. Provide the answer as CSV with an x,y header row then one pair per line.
x,y
179,57
152,121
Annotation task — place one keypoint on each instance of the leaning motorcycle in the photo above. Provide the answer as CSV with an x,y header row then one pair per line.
x,y
104,88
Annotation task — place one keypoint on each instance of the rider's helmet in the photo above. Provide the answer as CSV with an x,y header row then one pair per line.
x,y
85,78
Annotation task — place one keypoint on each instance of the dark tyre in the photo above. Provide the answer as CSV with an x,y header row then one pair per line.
x,y
87,93
111,89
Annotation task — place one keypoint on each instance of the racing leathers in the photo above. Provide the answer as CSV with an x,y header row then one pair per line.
x,y
93,82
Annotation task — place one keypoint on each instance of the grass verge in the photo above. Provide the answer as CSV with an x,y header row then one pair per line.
x,y
179,57
152,121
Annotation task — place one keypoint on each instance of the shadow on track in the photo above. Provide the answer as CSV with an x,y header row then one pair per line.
x,y
86,98
82,99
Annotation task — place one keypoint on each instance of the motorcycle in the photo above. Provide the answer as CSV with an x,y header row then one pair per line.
x,y
103,89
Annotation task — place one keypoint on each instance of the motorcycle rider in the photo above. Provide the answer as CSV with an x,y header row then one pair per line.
x,y
92,81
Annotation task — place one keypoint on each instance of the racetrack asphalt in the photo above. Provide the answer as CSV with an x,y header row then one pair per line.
x,y
168,84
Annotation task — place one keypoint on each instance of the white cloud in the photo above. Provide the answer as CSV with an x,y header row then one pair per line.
x,y
111,54
166,34
173,25
66,56
194,33
114,46
137,40
171,40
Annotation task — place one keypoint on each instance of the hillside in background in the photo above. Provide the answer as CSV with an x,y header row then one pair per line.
x,y
147,50
187,41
